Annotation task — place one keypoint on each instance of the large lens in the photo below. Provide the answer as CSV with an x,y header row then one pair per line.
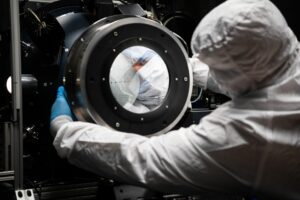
x,y
139,79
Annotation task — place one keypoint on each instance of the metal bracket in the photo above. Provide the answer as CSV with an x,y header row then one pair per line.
x,y
24,194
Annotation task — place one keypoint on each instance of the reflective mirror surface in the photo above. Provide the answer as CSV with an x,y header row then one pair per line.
x,y
139,79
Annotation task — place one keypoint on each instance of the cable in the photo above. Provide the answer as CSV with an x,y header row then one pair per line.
x,y
198,97
183,42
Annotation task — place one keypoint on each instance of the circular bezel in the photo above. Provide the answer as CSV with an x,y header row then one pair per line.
x,y
88,68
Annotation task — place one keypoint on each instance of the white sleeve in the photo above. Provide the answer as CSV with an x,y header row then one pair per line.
x,y
200,72
202,77
174,162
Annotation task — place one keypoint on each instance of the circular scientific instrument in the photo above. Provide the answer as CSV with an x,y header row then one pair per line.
x,y
130,74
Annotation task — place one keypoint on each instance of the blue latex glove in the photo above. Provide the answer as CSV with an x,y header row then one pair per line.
x,y
60,106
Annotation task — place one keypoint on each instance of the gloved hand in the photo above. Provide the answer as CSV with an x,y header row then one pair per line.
x,y
60,106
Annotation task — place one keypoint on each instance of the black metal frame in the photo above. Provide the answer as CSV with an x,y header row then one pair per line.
x,y
12,131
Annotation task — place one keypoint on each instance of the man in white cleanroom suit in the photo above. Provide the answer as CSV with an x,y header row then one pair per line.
x,y
250,144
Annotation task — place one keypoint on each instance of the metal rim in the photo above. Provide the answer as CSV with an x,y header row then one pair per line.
x,y
86,76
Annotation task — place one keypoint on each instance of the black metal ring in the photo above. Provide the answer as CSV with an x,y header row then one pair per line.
x,y
89,63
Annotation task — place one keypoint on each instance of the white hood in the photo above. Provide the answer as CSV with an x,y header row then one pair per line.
x,y
246,43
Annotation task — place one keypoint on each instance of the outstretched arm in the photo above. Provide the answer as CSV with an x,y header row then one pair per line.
x,y
179,161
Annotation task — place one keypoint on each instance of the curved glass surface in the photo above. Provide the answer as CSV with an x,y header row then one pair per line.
x,y
139,79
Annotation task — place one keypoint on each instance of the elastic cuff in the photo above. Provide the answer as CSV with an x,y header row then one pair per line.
x,y
57,122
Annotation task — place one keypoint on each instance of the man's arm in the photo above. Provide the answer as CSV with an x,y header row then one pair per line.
x,y
175,162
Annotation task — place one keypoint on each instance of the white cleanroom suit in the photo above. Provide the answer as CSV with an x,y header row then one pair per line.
x,y
250,144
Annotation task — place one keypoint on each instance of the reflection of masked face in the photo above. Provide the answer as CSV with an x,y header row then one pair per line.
x,y
138,55
139,90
